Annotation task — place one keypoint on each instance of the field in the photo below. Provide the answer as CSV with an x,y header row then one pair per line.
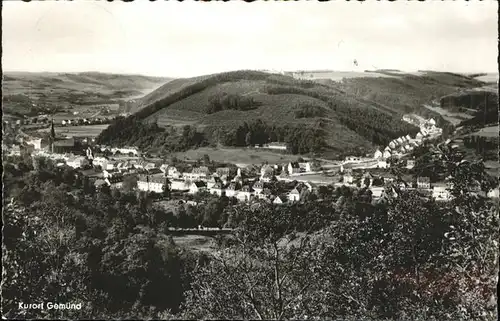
x,y
491,131
33,93
195,242
453,118
243,156
88,130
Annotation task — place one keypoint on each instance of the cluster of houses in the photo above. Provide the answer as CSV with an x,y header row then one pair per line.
x,y
438,190
228,181
86,121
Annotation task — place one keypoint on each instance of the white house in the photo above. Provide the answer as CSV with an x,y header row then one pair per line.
x,y
400,140
493,193
279,200
347,178
386,154
63,122
423,182
382,164
440,192
197,187
378,154
172,172
419,136
258,187
217,189
36,142
107,173
410,164
392,145
233,189
296,193
245,194
100,161
151,183
77,161
276,145
178,185
293,168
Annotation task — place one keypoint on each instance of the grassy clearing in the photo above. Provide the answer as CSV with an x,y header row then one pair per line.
x,y
237,155
491,131
89,130
195,242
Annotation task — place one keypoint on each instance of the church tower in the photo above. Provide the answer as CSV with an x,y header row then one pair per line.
x,y
52,135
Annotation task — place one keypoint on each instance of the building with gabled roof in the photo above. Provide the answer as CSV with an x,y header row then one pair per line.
x,y
196,187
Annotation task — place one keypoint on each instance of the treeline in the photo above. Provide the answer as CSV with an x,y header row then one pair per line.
x,y
223,101
376,126
149,136
198,87
487,147
309,111
300,139
478,100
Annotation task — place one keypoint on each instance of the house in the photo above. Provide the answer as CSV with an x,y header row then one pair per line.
x,y
197,187
224,171
408,138
419,136
111,165
36,142
63,122
217,189
164,168
378,154
115,182
258,186
99,183
410,164
293,168
100,161
213,180
245,194
432,122
440,192
305,167
392,145
382,164
400,140
149,166
423,183
77,162
107,173
152,183
493,193
198,173
347,178
296,193
368,177
233,189
279,200
387,154
172,172
178,185
154,171
63,145
276,145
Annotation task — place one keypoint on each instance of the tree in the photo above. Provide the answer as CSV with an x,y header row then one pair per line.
x,y
266,272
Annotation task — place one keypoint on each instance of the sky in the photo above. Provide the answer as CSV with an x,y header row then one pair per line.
x,y
184,39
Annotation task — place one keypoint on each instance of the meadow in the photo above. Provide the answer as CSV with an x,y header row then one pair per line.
x,y
243,156
87,130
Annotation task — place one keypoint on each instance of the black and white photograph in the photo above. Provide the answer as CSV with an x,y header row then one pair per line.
x,y
250,160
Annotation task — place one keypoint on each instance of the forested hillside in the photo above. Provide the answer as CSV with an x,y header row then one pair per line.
x,y
355,114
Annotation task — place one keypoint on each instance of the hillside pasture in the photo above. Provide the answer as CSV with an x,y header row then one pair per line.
x,y
246,156
491,131
88,130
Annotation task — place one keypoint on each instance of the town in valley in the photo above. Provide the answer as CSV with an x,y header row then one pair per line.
x,y
250,161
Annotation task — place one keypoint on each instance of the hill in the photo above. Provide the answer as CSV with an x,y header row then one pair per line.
x,y
29,94
353,114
